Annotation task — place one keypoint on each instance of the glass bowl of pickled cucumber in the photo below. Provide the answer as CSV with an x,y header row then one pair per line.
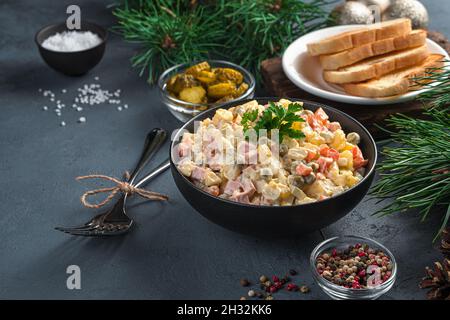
x,y
190,88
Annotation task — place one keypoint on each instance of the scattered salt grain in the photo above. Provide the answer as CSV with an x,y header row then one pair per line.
x,y
79,109
45,108
96,78
63,124
63,90
70,41
82,120
119,108
125,106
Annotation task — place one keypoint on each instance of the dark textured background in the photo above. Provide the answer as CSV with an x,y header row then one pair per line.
x,y
173,253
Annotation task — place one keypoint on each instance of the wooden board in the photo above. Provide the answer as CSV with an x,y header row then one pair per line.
x,y
277,84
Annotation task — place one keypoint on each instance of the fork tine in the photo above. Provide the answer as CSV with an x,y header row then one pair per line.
x,y
86,228
83,226
84,233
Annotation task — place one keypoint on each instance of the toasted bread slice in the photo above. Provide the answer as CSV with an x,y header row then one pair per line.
x,y
356,38
345,58
377,66
394,83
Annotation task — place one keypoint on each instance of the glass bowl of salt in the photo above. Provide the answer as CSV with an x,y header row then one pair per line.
x,y
72,52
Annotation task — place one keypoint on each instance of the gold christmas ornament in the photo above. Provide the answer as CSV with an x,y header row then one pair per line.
x,y
352,12
411,9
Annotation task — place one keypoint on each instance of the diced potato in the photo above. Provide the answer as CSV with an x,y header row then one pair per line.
x,y
339,142
222,115
196,69
193,95
212,179
285,192
351,181
284,102
297,153
316,139
221,90
186,168
228,74
349,146
290,142
271,191
345,160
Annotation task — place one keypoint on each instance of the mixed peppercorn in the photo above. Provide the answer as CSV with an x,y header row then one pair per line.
x,y
351,268
270,286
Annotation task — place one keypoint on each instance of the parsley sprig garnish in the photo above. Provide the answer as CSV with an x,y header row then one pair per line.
x,y
274,117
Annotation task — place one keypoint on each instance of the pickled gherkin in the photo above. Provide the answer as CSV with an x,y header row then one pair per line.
x,y
221,90
228,74
196,69
202,84
193,95
180,82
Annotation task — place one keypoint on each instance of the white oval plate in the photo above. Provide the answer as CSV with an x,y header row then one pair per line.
x,y
305,71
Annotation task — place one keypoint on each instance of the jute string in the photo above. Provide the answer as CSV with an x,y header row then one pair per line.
x,y
121,186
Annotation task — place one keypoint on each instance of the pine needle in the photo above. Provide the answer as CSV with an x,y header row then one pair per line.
x,y
415,173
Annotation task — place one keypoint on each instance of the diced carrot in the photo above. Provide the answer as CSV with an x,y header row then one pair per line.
x,y
312,120
329,153
321,115
311,156
303,170
358,159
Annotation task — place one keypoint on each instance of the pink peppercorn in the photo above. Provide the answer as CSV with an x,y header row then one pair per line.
x,y
334,253
356,285
362,273
361,254
272,289
275,279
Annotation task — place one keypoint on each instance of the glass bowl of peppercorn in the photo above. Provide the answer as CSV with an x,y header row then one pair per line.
x,y
353,267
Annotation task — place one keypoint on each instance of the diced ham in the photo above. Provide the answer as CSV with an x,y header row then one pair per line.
x,y
333,126
232,186
242,198
303,170
324,163
249,188
240,191
198,173
184,149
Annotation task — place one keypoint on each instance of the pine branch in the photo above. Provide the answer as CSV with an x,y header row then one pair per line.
x,y
170,33
416,171
437,80
243,31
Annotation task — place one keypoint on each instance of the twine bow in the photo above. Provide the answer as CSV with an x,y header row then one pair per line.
x,y
121,186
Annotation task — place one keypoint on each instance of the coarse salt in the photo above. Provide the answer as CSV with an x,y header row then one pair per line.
x,y
70,41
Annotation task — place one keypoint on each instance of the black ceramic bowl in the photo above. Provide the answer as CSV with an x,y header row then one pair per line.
x,y
269,221
74,63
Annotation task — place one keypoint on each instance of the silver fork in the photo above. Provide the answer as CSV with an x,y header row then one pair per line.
x,y
116,221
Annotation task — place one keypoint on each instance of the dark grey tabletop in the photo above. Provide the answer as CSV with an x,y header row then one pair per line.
x,y
173,253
